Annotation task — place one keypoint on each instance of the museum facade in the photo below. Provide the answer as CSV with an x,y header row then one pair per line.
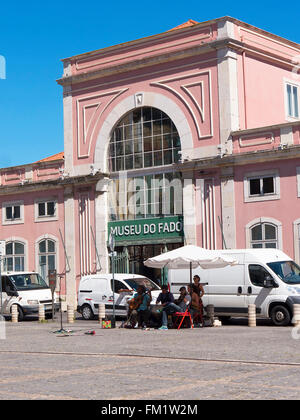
x,y
191,136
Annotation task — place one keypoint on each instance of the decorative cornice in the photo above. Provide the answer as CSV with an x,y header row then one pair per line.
x,y
166,34
265,128
52,184
153,60
246,158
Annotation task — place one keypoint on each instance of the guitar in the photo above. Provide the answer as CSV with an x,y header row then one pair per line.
x,y
136,302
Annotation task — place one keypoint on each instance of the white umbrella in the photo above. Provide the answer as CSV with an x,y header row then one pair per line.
x,y
190,256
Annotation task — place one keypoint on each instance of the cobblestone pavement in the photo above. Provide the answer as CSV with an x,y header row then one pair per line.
x,y
230,362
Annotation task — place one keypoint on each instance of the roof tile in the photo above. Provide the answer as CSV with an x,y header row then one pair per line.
x,y
57,156
187,24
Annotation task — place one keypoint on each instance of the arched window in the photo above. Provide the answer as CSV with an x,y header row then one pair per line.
x,y
264,235
15,256
143,138
47,257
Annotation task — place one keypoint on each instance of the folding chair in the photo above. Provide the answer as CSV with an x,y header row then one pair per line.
x,y
183,316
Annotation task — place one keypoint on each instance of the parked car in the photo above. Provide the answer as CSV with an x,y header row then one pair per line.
x,y
98,288
266,277
27,290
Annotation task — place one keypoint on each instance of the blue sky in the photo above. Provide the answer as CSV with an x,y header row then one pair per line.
x,y
35,36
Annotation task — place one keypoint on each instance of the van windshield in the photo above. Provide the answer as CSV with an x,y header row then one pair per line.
x,y
144,281
287,271
28,281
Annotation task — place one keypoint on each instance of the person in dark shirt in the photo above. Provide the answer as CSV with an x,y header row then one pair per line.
x,y
180,305
165,297
198,285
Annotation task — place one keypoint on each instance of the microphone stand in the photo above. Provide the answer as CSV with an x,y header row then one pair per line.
x,y
62,330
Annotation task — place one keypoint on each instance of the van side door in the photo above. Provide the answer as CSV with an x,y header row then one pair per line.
x,y
256,292
7,286
226,290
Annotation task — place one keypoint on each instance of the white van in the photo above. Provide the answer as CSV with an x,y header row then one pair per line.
x,y
27,290
97,288
266,277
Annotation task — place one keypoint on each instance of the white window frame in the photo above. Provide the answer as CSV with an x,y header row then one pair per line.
x,y
13,221
37,252
23,242
296,226
46,254
262,220
260,175
45,218
296,85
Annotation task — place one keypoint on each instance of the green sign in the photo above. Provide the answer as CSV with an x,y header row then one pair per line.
x,y
147,230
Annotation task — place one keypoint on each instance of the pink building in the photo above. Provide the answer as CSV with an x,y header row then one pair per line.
x,y
189,136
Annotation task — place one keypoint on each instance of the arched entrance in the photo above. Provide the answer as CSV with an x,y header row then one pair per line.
x,y
145,193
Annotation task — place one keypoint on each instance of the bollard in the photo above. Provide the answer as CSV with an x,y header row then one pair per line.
x,y
70,314
101,312
2,328
252,315
14,313
210,311
41,312
296,312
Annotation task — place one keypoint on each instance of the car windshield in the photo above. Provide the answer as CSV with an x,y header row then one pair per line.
x,y
28,281
135,283
287,271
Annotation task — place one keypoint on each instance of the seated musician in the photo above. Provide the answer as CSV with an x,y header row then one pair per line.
x,y
179,305
139,307
165,297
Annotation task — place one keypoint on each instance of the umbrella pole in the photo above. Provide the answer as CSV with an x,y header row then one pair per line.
x,y
191,274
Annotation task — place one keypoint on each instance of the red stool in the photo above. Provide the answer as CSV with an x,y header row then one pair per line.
x,y
183,315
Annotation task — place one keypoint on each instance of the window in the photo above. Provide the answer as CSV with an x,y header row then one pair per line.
x,y
47,257
292,100
46,209
15,256
258,274
264,235
118,286
12,213
288,271
143,138
261,186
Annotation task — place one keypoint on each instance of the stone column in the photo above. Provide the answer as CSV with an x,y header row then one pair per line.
x,y
228,208
189,208
70,243
101,220
228,96
68,130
